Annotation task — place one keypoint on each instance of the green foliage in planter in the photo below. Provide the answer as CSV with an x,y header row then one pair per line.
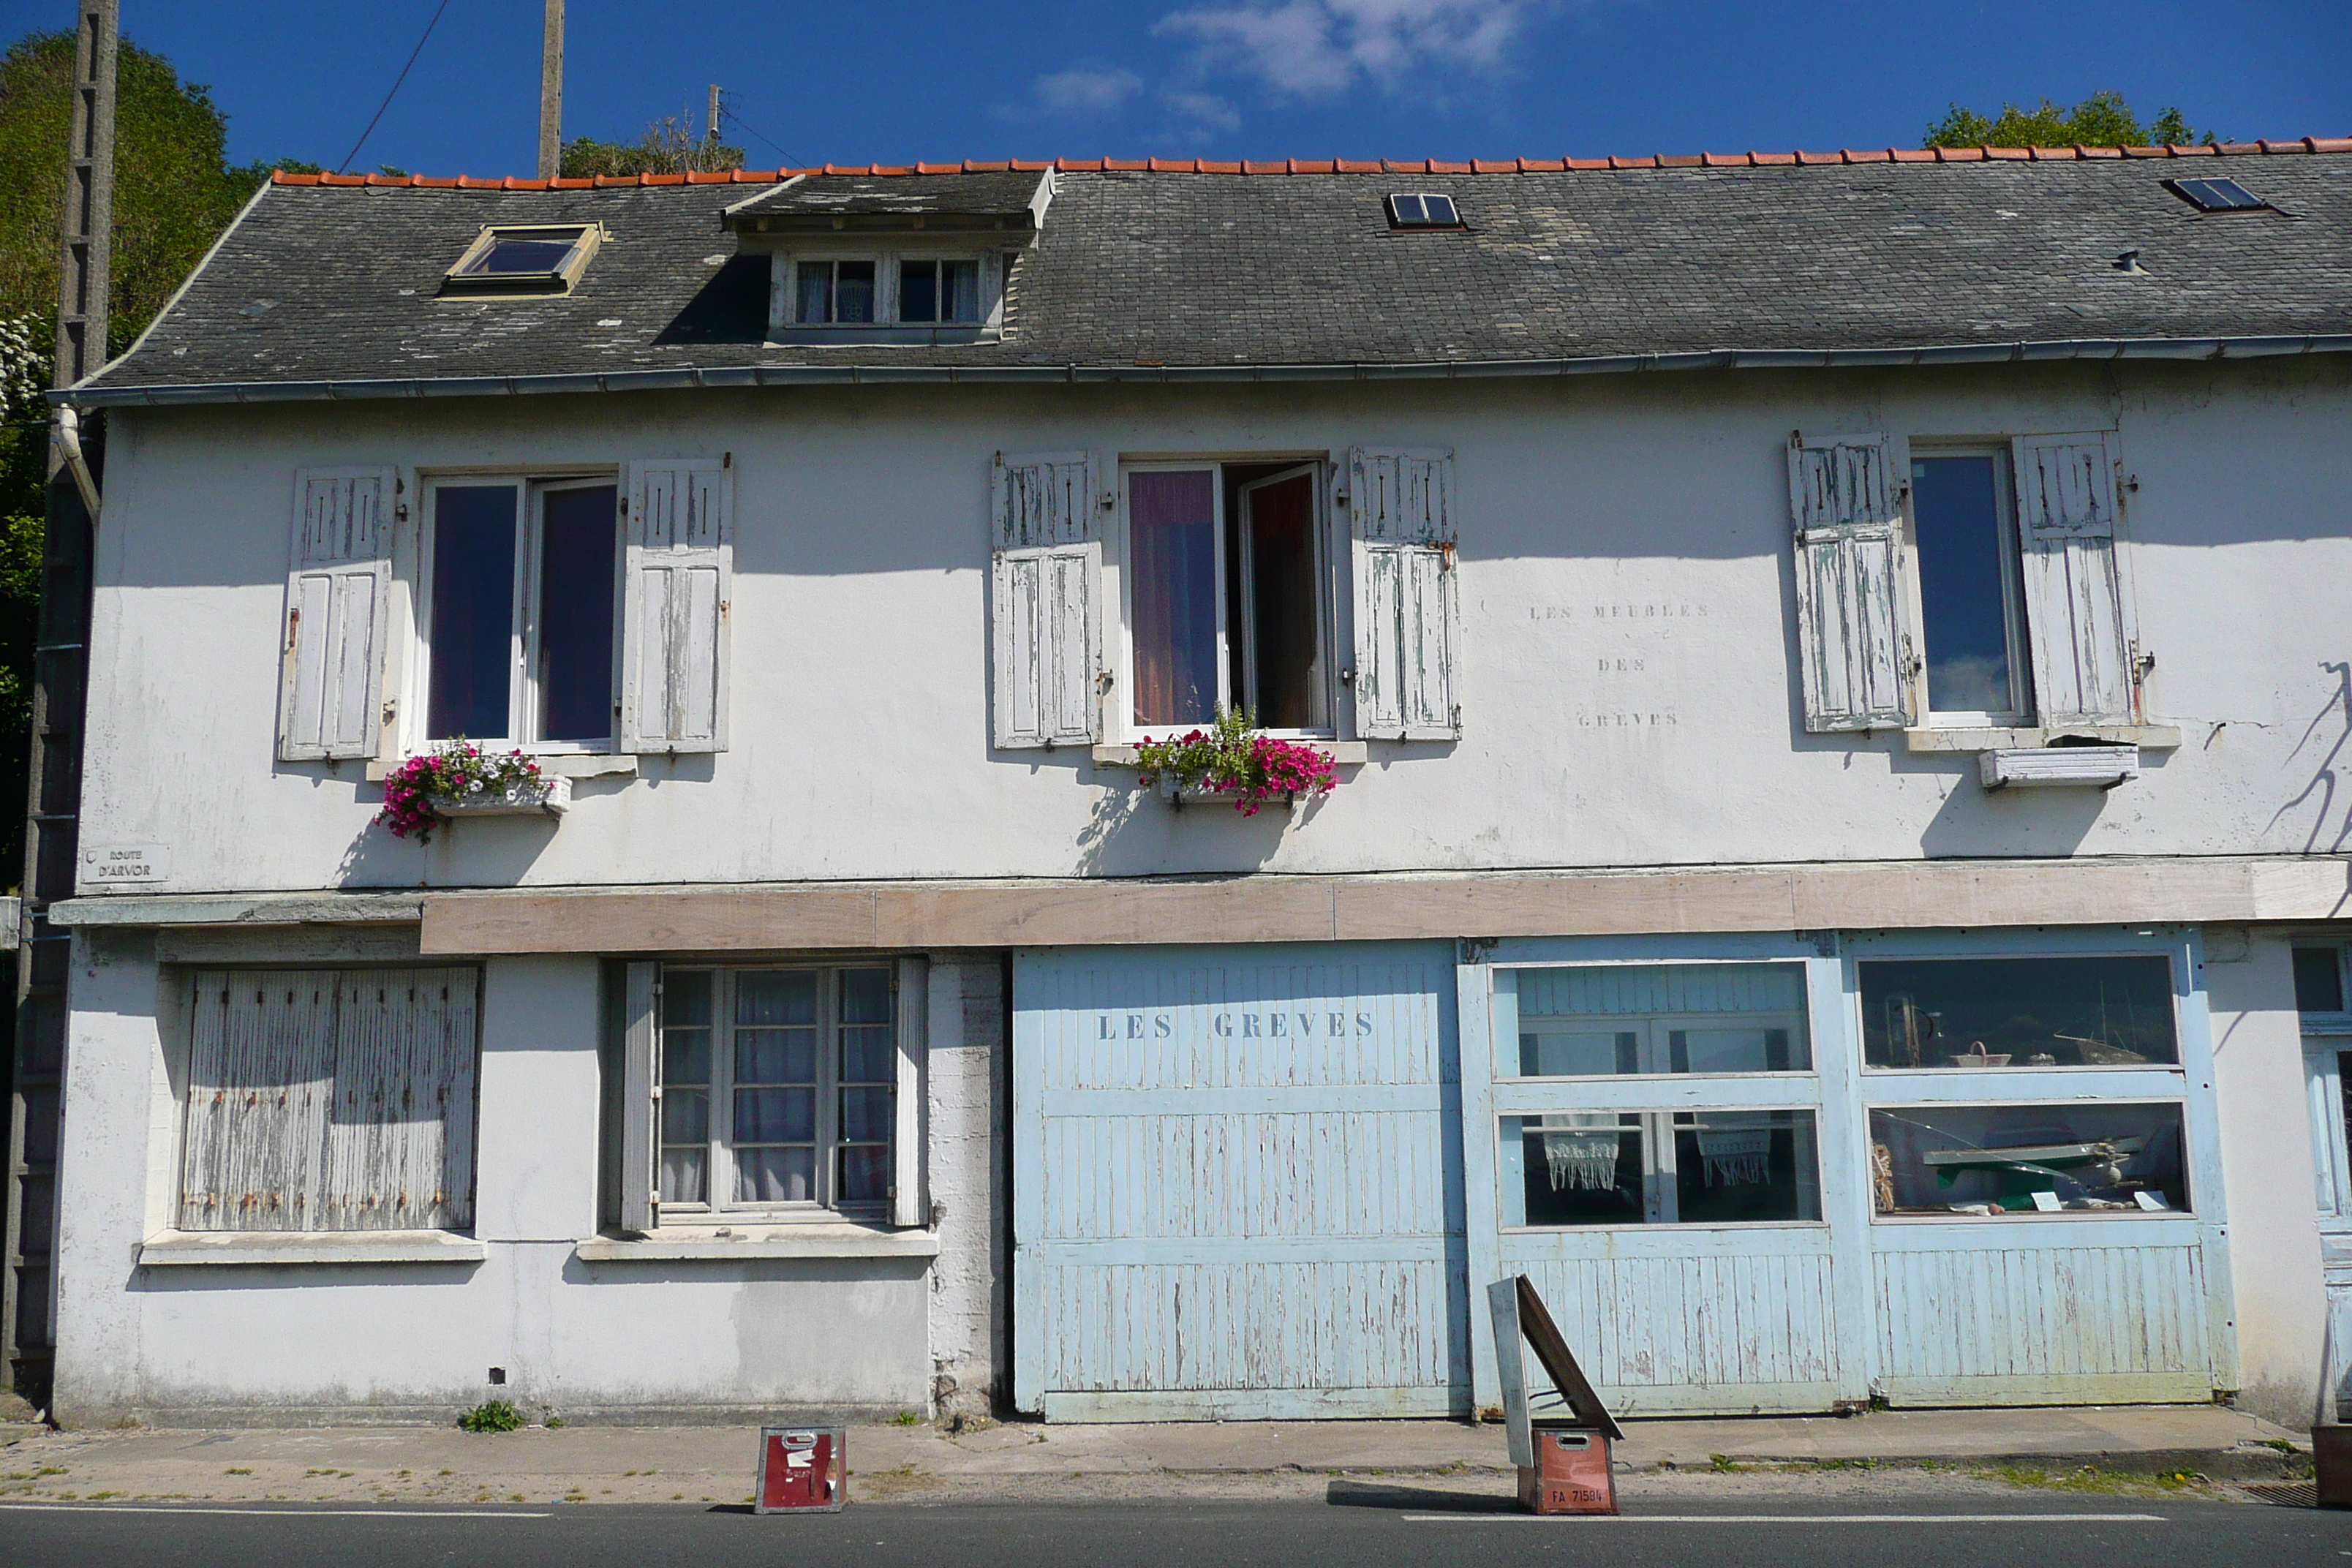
x,y
1231,758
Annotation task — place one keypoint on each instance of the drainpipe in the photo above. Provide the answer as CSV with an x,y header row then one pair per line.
x,y
67,424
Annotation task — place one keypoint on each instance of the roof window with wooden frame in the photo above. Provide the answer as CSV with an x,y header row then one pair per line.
x,y
518,260
1977,591
1138,604
556,612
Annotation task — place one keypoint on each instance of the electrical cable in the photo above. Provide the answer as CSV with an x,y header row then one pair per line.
x,y
742,124
345,166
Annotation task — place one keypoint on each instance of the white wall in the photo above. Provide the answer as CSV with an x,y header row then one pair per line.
x,y
1640,521
410,1341
965,1168
2267,1165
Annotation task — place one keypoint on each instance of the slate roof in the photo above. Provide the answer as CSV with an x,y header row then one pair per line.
x,y
327,287
984,196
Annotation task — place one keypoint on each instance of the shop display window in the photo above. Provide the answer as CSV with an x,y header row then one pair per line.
x,y
2011,1013
1598,1021
1660,1167
1990,1161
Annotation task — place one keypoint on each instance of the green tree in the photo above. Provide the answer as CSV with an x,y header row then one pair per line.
x,y
668,146
175,190
2102,120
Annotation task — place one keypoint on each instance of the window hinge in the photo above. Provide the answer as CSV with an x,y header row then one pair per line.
x,y
1348,676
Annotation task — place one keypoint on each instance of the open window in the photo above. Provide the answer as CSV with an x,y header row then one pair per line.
x,y
1224,595
545,260
522,611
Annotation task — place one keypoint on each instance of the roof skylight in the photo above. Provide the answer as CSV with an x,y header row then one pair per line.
x,y
2216,196
538,260
1429,210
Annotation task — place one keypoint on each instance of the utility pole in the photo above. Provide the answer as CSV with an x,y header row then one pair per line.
x,y
28,1251
551,93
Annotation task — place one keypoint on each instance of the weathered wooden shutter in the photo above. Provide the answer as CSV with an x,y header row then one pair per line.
x,y
338,610
1851,643
907,1196
331,1100
680,562
641,1098
1407,603
2078,620
1045,599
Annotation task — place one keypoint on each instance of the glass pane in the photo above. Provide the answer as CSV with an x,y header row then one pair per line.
x,y
779,996
865,1175
865,1115
815,292
1439,209
2318,981
775,1175
853,286
685,996
865,996
918,290
1609,1019
579,544
1736,1166
775,1055
2018,1012
1409,210
686,1115
774,1115
1962,592
868,1055
960,291
681,1175
1172,582
686,1057
526,250
1573,1170
2027,1159
1285,617
473,610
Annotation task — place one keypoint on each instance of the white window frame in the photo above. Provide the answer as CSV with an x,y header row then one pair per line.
x,y
2022,704
523,689
885,278
1123,723
897,266
785,313
718,1150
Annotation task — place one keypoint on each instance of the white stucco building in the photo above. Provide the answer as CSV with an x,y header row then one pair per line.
x,y
1836,670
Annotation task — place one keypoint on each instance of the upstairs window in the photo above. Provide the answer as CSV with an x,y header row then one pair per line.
x,y
544,260
1225,606
1968,586
524,606
1424,210
2217,195
938,291
886,291
834,293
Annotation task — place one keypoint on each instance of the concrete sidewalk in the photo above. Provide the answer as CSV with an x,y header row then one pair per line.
x,y
1026,1461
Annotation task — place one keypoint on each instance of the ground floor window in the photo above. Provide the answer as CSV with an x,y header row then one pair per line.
x,y
778,1088
323,1100
2027,1159
1660,1167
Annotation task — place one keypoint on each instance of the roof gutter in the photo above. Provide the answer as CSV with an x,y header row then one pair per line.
x,y
87,396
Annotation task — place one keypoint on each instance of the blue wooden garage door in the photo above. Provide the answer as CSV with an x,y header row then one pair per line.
x,y
1236,1185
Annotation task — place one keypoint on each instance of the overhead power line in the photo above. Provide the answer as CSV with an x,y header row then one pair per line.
x,y
345,167
736,120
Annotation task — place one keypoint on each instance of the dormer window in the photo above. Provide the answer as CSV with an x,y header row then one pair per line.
x,y
941,291
836,293
537,260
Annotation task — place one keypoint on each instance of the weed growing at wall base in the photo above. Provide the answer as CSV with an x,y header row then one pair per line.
x,y
491,1416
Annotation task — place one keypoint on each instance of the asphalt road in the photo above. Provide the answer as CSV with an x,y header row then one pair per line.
x,y
1358,1526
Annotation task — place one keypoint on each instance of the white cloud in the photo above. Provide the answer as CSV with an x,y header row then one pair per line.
x,y
1204,110
1308,49
1084,91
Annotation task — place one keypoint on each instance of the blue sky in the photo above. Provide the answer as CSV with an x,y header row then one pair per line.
x,y
892,82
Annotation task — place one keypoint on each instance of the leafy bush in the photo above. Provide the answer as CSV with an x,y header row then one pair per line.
x,y
1230,758
492,1416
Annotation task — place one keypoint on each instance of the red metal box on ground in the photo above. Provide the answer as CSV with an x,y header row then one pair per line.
x,y
803,1469
1572,1473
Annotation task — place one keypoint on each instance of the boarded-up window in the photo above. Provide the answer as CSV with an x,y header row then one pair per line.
x,y
1851,639
2077,605
1044,600
681,569
330,1101
1407,609
338,597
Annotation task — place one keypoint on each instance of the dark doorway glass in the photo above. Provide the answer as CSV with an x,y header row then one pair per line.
x,y
473,611
1284,643
1172,539
579,542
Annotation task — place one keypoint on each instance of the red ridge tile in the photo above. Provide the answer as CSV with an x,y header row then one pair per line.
x,y
1673,161
1913,154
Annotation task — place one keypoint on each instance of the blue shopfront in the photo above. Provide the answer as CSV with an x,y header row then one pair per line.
x,y
1748,1173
